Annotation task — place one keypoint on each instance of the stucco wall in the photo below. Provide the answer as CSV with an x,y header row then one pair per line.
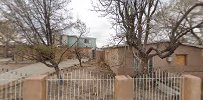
x,y
126,57
112,58
194,58
122,62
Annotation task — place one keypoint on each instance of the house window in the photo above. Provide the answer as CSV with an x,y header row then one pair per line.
x,y
86,41
181,59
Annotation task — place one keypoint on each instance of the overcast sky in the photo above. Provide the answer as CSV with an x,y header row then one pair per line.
x,y
100,27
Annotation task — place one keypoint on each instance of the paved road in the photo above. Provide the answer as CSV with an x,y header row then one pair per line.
x,y
33,69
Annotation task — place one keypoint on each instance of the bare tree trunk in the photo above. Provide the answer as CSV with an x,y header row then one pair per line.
x,y
78,55
144,65
80,62
58,72
79,59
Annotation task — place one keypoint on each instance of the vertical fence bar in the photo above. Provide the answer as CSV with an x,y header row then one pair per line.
x,y
103,93
78,85
161,87
153,85
111,87
145,85
86,85
106,88
100,86
82,81
90,84
181,85
67,86
6,91
168,85
165,86
62,87
70,86
156,87
55,88
97,86
49,89
74,84
10,89
174,86
15,91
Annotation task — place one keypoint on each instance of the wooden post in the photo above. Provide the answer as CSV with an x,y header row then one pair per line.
x,y
124,89
191,88
34,88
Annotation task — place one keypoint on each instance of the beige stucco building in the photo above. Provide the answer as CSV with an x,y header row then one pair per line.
x,y
185,57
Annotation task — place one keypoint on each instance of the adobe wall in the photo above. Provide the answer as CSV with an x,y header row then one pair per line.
x,y
127,59
100,56
194,58
121,59
112,59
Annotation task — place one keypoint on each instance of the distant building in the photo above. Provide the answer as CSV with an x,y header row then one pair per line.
x,y
83,42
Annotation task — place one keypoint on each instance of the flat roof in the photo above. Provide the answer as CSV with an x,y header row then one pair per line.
x,y
184,44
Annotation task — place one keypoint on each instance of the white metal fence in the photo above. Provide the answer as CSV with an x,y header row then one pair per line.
x,y
158,86
11,88
87,85
81,85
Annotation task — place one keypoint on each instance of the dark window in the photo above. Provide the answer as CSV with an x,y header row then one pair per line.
x,y
86,41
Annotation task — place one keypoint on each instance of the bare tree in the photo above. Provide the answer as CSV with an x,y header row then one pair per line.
x,y
82,29
38,22
7,35
79,54
178,8
137,20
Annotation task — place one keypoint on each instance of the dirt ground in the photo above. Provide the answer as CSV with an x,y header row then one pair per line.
x,y
7,64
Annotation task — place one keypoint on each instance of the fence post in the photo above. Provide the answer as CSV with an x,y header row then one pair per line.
x,y
34,88
124,89
191,88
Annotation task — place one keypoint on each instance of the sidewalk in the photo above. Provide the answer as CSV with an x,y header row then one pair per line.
x,y
33,69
